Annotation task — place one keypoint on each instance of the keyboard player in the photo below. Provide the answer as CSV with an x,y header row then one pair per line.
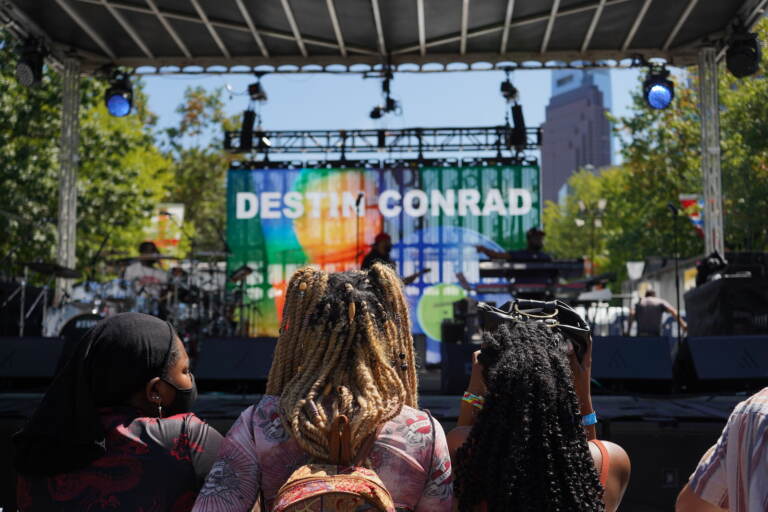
x,y
534,250
533,253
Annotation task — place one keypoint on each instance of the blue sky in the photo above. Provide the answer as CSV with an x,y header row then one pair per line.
x,y
324,101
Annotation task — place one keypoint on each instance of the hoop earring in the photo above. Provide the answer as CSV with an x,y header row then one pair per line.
x,y
159,406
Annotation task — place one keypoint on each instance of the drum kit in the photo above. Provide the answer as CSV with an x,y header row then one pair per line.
x,y
193,295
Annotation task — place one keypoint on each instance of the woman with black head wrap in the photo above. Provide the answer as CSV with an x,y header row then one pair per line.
x,y
114,430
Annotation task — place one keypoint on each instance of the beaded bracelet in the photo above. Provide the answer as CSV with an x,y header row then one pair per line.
x,y
473,400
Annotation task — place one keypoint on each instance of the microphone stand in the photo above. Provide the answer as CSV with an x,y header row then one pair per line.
x,y
674,210
357,227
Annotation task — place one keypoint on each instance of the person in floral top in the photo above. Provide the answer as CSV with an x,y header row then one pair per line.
x,y
345,348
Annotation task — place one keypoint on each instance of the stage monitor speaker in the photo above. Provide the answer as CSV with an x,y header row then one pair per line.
x,y
235,359
728,306
457,367
622,358
29,357
663,455
729,357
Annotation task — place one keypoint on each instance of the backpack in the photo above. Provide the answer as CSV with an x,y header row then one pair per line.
x,y
342,484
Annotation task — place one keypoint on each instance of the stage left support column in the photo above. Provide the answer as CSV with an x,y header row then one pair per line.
x,y
69,161
714,231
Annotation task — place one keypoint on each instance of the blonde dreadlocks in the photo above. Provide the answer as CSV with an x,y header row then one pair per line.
x,y
345,347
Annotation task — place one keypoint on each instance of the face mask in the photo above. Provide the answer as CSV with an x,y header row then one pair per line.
x,y
184,398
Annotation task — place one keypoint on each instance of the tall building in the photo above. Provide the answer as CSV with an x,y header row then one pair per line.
x,y
576,131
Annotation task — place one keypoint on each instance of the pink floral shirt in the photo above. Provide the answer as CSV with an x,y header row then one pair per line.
x,y
410,457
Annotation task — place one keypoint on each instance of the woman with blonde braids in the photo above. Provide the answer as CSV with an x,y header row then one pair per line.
x,y
345,348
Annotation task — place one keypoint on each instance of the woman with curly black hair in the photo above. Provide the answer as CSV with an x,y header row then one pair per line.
x,y
520,444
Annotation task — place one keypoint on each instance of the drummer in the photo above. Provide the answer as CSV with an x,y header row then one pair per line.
x,y
145,277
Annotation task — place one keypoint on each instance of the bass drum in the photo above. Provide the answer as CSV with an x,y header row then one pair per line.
x,y
72,332
78,325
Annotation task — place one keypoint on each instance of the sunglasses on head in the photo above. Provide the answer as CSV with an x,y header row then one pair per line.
x,y
555,314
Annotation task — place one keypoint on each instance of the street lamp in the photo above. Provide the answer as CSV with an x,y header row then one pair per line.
x,y
591,213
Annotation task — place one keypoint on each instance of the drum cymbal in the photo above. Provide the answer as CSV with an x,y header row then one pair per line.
x,y
54,269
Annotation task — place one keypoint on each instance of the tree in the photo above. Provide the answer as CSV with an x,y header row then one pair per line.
x,y
661,150
121,176
200,165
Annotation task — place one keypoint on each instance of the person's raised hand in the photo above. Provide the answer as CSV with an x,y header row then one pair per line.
x,y
476,380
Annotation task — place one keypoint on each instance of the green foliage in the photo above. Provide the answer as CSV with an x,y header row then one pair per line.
x,y
200,170
661,152
121,175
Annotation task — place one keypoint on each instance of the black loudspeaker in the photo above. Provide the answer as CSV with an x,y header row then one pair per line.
x,y
420,349
621,358
457,367
729,357
235,359
663,455
728,306
29,357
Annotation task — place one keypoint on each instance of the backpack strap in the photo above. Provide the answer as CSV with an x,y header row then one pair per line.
x,y
340,442
432,451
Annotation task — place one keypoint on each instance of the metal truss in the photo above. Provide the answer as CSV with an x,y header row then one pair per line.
x,y
405,140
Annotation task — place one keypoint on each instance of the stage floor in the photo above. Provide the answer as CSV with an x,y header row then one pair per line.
x,y
664,436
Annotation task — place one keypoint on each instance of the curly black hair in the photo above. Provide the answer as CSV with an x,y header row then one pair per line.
x,y
527,450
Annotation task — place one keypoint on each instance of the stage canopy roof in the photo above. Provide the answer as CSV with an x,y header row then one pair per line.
x,y
196,36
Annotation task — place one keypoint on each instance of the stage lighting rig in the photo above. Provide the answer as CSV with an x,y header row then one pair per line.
x,y
119,96
744,54
29,69
658,89
390,104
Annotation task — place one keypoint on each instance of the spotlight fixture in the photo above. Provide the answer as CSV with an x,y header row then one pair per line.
x,y
119,96
390,104
508,91
257,92
743,55
658,89
29,69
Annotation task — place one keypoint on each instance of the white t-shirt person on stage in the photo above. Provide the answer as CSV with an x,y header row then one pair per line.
x,y
144,278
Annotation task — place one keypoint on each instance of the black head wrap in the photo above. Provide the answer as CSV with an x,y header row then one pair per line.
x,y
115,359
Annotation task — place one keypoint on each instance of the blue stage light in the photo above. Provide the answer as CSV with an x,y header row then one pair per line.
x,y
659,91
119,96
119,105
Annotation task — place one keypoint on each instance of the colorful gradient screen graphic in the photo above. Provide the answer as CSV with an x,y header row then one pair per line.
x,y
282,219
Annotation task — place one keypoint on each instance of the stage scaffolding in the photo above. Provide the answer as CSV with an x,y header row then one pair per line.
x,y
367,37
404,140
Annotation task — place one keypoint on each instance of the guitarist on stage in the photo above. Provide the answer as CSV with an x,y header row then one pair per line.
x,y
382,246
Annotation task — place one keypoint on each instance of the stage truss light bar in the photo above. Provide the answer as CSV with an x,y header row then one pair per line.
x,y
405,140
410,163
